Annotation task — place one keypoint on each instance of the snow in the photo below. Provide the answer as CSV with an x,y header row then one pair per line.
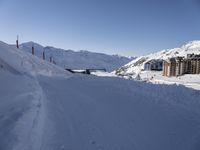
x,y
103,74
25,63
78,59
191,81
44,107
21,116
113,113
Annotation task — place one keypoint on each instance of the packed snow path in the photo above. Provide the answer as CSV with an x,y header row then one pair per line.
x,y
21,112
88,113
96,113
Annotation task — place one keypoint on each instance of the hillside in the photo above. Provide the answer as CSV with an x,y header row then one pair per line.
x,y
78,59
15,60
137,65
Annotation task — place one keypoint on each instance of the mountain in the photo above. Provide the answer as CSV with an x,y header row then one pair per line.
x,y
137,65
77,59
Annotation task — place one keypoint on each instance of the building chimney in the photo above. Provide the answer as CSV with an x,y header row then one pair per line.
x,y
17,41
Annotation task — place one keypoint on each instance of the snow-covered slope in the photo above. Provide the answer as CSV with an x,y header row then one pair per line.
x,y
84,112
79,59
137,65
16,60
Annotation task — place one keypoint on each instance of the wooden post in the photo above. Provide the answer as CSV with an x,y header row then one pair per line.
x,y
17,41
43,55
33,50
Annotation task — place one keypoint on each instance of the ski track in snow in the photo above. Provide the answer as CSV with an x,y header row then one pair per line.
x,y
22,113
29,128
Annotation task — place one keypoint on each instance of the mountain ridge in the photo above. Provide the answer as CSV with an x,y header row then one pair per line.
x,y
77,59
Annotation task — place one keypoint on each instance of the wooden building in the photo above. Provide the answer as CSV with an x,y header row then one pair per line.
x,y
194,64
169,67
180,65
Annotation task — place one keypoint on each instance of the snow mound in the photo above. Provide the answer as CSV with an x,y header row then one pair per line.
x,y
15,60
137,65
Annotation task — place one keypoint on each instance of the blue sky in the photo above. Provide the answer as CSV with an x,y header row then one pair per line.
x,y
126,27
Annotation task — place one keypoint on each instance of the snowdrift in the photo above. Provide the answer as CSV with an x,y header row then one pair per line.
x,y
16,60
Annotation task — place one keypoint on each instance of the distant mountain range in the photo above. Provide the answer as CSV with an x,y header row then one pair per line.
x,y
77,59
137,65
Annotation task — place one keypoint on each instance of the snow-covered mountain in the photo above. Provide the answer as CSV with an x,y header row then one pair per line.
x,y
137,65
77,59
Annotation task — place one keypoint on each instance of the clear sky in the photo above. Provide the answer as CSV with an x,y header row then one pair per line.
x,y
126,27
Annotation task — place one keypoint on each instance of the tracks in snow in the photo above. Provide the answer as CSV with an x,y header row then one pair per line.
x,y
29,128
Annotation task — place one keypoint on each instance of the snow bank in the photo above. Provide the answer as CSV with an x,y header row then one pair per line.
x,y
25,63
